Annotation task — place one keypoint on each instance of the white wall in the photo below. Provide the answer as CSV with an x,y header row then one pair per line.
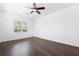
x,y
61,26
1,16
6,26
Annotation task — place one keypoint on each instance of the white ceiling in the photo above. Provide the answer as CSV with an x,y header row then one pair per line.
x,y
20,8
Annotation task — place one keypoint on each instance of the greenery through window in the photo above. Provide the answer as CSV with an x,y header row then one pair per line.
x,y
20,26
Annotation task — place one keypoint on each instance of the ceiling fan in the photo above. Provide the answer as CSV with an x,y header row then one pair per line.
x,y
36,9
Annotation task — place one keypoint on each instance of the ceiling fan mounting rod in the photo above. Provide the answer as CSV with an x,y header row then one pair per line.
x,y
34,6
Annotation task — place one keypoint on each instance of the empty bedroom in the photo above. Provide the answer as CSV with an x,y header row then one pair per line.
x,y
39,29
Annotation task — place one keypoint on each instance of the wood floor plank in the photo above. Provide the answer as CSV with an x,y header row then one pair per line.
x,y
34,46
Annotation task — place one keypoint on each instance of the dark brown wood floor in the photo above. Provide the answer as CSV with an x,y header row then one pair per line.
x,y
36,47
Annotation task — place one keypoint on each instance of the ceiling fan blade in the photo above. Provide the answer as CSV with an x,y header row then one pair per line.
x,y
40,8
38,12
31,12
